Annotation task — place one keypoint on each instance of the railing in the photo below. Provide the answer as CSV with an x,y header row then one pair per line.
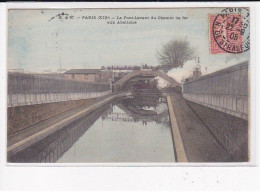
x,y
225,90
28,89
35,84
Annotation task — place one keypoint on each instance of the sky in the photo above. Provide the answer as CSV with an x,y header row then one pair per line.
x,y
39,41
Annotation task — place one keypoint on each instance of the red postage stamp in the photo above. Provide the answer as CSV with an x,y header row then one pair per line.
x,y
229,31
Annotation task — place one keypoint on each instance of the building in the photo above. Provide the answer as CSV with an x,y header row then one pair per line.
x,y
104,75
91,75
197,72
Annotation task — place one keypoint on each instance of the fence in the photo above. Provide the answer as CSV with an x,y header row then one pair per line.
x,y
225,90
26,89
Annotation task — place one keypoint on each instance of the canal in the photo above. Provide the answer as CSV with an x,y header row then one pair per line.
x,y
127,130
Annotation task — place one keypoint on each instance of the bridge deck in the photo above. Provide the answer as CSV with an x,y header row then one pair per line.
x,y
144,73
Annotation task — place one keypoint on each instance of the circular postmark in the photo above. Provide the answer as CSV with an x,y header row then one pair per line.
x,y
231,30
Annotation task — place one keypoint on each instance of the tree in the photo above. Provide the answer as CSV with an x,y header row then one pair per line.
x,y
174,54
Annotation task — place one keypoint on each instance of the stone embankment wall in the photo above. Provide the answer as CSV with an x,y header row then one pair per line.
x,y
21,117
225,90
33,98
230,131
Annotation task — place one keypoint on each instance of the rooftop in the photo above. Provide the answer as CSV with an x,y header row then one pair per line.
x,y
82,71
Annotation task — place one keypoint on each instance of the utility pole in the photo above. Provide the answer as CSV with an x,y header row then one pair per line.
x,y
60,66
58,53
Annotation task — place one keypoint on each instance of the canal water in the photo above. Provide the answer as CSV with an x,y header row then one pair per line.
x,y
127,130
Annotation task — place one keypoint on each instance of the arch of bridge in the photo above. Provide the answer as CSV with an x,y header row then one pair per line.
x,y
149,73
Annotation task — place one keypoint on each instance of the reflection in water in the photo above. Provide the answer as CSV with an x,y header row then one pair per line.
x,y
128,130
54,146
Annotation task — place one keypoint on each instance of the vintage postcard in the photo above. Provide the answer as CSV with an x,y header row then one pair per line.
x,y
135,86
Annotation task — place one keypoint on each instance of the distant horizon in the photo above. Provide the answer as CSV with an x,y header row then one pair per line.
x,y
58,70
